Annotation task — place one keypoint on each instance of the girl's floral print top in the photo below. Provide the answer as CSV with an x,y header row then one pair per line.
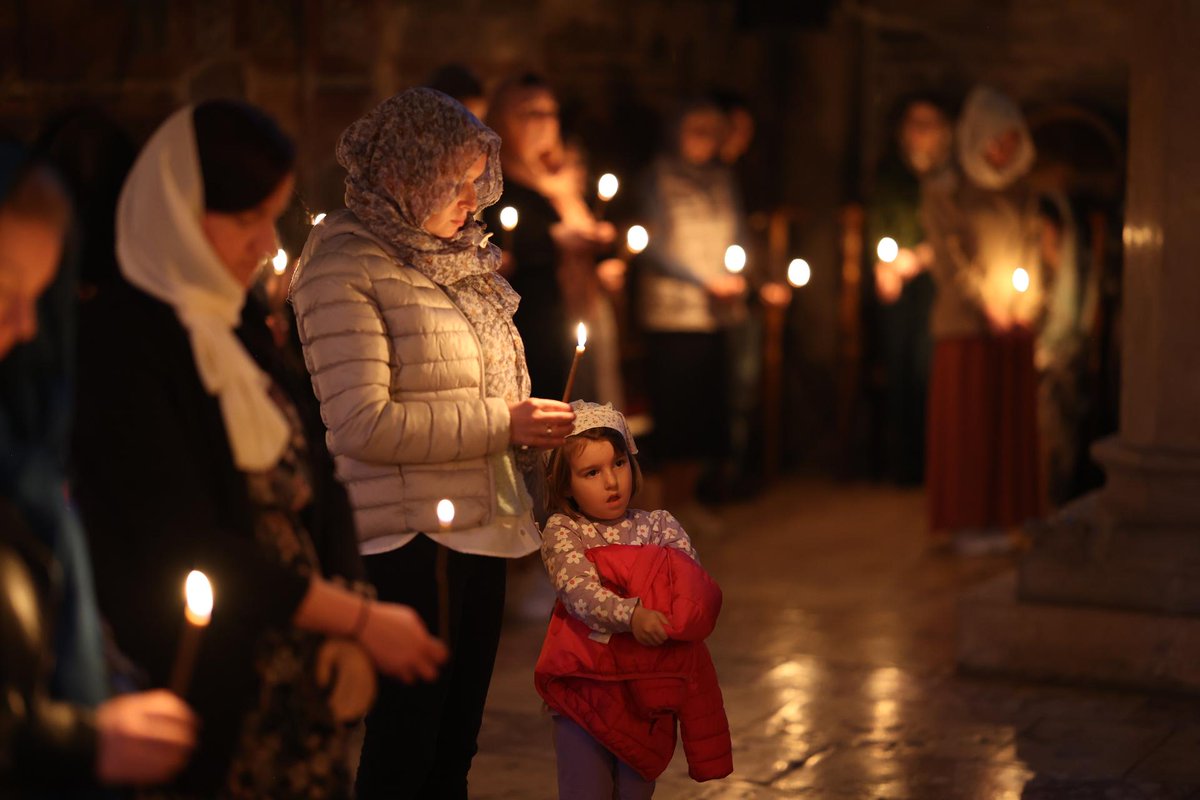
x,y
565,539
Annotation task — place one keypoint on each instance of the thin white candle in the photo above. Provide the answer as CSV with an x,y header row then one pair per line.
x,y
581,339
198,594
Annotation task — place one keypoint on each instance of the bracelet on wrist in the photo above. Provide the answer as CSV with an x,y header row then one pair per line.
x,y
360,622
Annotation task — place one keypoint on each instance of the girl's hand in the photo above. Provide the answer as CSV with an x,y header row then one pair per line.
x,y
345,670
399,644
143,738
538,422
649,627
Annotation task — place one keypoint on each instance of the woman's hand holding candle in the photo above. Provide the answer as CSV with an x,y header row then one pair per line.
x,y
143,739
541,423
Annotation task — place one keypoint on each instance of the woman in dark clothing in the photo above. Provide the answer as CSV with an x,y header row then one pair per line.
x,y
193,452
525,114
59,730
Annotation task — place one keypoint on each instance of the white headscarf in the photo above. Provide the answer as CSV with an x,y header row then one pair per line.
x,y
163,251
987,114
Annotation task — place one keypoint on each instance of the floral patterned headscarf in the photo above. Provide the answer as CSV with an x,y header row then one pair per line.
x,y
405,161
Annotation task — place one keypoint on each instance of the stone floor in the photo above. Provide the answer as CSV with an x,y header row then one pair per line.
x,y
836,655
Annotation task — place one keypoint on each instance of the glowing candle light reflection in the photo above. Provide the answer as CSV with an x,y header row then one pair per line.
x,y
799,273
279,262
887,250
637,239
607,187
445,512
509,218
1020,280
318,218
735,259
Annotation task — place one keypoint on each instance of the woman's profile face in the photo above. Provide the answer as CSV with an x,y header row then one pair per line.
x,y
447,221
29,254
244,240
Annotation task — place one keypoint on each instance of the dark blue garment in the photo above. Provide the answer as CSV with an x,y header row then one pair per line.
x,y
35,416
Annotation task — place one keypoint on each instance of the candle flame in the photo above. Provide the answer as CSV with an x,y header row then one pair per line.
x,y
607,187
318,218
581,335
637,239
735,258
887,250
1020,280
199,594
509,218
445,511
799,272
279,262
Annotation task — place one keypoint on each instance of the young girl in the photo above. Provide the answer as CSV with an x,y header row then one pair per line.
x,y
617,697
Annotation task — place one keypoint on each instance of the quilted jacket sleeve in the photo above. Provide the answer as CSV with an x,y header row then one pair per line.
x,y
348,348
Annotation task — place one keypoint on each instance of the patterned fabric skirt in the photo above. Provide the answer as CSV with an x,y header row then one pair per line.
x,y
982,452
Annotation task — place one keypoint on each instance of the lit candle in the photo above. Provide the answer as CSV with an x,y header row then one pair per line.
x,y
198,612
636,239
318,218
799,273
1020,280
887,250
735,259
508,221
445,515
581,336
606,189
279,262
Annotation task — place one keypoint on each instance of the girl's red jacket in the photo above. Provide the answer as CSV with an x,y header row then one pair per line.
x,y
629,696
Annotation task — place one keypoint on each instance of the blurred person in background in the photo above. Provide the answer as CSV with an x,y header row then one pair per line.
x,y
982,458
687,303
919,156
61,731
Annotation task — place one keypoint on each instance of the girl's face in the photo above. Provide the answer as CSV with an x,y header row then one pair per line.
x,y
446,222
244,240
29,255
601,479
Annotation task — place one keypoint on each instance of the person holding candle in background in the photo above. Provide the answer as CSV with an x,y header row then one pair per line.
x,y
982,459
408,334
60,731
193,451
552,261
899,300
687,301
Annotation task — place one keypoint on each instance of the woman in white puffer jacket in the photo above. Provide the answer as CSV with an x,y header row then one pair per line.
x,y
408,335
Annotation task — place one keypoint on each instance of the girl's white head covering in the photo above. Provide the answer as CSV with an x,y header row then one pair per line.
x,y
593,415
987,114
163,251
